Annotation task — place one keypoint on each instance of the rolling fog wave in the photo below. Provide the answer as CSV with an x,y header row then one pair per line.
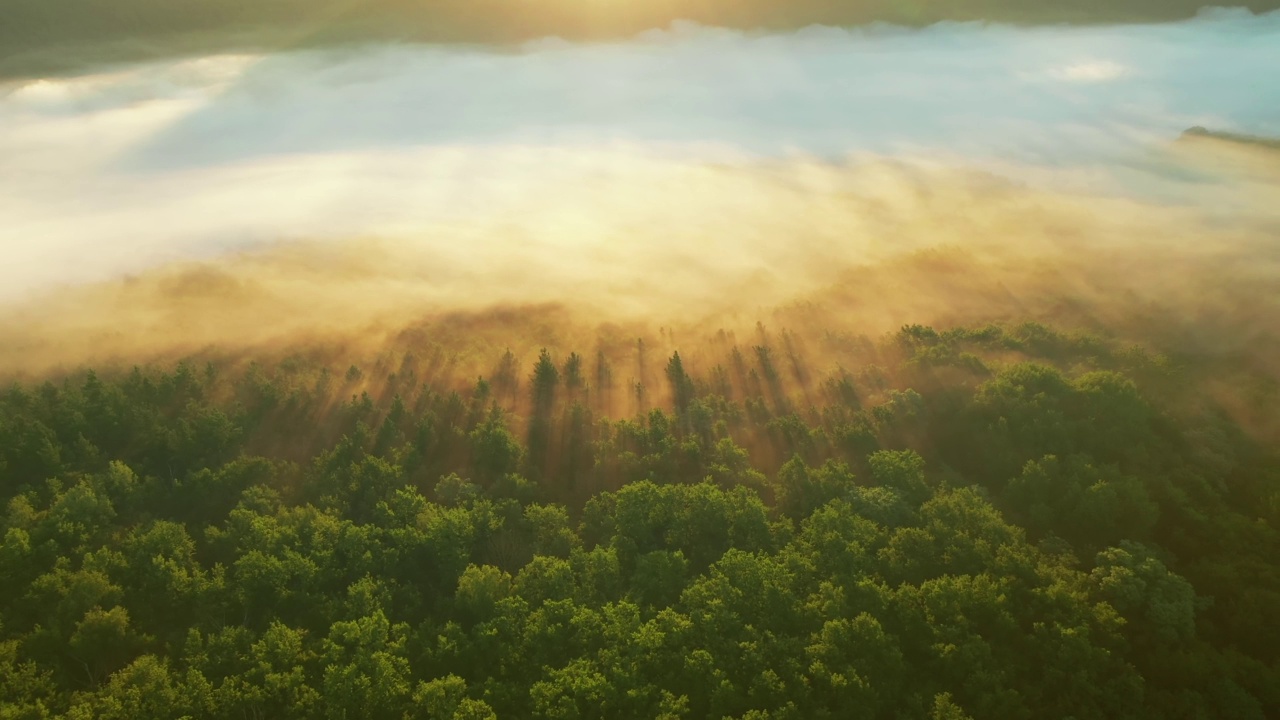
x,y
473,151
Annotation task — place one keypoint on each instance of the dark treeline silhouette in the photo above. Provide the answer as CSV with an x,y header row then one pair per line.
x,y
1237,139
988,522
47,35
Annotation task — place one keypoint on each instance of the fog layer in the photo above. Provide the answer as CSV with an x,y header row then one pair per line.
x,y
693,175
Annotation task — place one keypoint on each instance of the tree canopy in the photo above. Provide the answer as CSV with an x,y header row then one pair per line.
x,y
971,523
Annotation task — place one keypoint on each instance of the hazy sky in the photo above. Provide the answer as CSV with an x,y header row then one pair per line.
x,y
561,145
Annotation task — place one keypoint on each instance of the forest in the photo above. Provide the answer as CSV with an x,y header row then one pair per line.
x,y
983,521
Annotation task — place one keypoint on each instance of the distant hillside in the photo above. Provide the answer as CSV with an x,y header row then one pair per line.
x,y
43,36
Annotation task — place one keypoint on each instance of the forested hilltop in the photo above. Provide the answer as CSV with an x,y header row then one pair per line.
x,y
978,522
43,36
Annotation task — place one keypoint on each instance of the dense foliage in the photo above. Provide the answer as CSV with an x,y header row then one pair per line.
x,y
985,523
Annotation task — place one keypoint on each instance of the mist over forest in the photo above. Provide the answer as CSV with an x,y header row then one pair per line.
x,y
622,359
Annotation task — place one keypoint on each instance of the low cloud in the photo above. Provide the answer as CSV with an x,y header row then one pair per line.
x,y
1090,71
688,180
